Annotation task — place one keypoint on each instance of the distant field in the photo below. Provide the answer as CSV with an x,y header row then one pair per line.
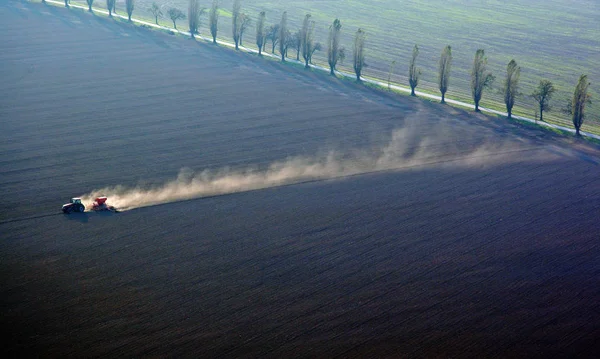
x,y
557,40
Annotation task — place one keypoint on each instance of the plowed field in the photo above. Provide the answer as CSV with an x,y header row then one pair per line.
x,y
429,232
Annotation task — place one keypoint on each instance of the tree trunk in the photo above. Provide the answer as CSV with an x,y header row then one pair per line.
x,y
541,113
476,106
306,64
156,20
509,114
412,91
260,51
89,7
174,25
331,72
443,97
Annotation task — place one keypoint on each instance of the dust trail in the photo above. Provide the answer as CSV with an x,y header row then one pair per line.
x,y
403,150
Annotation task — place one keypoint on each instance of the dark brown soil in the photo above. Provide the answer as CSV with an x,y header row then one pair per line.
x,y
492,252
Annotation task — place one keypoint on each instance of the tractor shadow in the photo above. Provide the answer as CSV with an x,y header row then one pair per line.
x,y
85,217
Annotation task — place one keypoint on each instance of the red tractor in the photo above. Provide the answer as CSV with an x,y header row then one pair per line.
x,y
100,205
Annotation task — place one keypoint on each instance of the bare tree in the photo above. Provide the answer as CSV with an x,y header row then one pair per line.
x,y
194,17
317,47
289,42
236,24
296,43
175,14
359,53
156,12
511,85
273,35
283,32
413,71
110,4
213,20
542,95
246,22
335,53
480,78
260,32
308,43
129,5
89,2
581,97
444,71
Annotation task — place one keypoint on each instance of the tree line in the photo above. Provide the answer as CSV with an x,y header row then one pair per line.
x,y
302,42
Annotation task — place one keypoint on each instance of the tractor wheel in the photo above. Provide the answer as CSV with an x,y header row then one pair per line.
x,y
68,210
80,208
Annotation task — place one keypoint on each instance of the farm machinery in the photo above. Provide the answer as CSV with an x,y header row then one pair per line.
x,y
74,206
99,205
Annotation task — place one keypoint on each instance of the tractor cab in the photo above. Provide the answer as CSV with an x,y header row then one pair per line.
x,y
76,200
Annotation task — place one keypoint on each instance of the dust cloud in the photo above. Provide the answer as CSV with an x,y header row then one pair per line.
x,y
404,150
